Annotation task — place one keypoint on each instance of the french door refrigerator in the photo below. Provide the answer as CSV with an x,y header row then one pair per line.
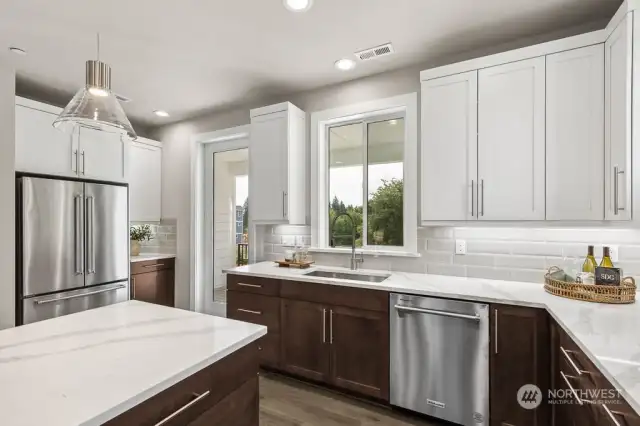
x,y
73,247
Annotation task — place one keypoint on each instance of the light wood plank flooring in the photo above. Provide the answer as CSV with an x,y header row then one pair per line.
x,y
287,402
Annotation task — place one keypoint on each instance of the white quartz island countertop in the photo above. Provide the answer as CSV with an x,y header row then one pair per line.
x,y
89,367
608,334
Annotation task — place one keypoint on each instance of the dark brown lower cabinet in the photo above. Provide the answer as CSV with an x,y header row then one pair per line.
x,y
519,355
153,281
225,393
305,340
359,361
341,346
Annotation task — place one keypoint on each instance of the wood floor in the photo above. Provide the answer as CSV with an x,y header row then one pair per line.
x,y
286,402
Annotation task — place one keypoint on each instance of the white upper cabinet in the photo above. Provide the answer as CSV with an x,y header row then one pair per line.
x,y
145,174
103,155
449,147
575,134
511,141
277,165
41,148
617,121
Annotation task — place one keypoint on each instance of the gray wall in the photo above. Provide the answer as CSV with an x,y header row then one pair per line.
x,y
176,160
7,192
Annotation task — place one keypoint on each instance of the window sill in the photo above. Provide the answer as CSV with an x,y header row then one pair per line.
x,y
367,252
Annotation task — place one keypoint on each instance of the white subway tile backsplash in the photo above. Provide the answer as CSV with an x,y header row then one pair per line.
x,y
518,254
441,245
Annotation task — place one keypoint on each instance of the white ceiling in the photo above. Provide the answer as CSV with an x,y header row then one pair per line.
x,y
192,56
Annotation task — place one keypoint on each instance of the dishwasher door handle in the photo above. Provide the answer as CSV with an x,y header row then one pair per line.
x,y
436,312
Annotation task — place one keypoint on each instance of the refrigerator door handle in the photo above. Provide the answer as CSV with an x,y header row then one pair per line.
x,y
91,252
79,259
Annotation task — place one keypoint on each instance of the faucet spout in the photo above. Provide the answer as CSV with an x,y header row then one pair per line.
x,y
355,261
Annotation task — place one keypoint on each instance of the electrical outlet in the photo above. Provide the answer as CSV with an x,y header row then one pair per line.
x,y
461,247
613,253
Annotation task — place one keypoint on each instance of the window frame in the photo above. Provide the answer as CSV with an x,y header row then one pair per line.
x,y
402,106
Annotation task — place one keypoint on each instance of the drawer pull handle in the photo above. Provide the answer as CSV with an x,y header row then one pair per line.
x,y
249,311
571,362
183,408
153,266
573,391
250,285
611,415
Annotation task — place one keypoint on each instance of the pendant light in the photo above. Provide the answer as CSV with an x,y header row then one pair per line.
x,y
95,106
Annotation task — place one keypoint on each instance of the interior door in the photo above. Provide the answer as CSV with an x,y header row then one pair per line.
x,y
41,148
575,130
102,155
511,141
305,339
450,147
52,235
617,135
268,165
107,233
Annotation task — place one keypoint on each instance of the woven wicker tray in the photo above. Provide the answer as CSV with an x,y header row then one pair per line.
x,y
617,294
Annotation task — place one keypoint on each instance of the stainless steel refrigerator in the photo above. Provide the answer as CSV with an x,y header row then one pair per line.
x,y
72,247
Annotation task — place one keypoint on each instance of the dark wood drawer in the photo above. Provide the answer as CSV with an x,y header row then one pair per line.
x,y
372,300
196,394
254,308
246,284
240,408
269,348
152,265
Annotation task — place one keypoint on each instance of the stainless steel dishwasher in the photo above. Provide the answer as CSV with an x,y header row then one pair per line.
x,y
440,358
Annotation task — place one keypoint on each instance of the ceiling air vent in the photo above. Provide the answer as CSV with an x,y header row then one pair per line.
x,y
375,52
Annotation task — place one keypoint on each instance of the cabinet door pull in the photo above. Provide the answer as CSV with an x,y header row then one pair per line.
x,y
250,285
183,408
75,155
472,210
153,266
481,197
573,391
331,326
571,362
611,415
616,185
495,330
83,161
324,326
133,286
249,311
284,210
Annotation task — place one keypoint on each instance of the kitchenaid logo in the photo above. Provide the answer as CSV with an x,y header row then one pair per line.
x,y
530,396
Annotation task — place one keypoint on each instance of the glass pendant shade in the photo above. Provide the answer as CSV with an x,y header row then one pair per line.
x,y
95,106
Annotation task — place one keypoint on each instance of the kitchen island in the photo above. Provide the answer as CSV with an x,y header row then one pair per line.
x,y
129,363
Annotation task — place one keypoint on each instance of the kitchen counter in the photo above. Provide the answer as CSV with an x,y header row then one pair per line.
x,y
89,367
151,256
608,334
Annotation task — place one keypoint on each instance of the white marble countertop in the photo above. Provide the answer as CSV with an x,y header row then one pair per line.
x,y
89,367
151,256
608,334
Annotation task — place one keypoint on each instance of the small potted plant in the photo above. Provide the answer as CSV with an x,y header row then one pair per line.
x,y
137,234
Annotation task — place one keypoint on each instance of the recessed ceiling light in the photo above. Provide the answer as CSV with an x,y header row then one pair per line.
x,y
161,113
345,64
393,122
298,5
17,51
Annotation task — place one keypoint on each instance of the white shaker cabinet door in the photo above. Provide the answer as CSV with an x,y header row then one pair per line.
x,y
575,134
268,164
145,165
617,134
449,147
41,148
103,155
511,141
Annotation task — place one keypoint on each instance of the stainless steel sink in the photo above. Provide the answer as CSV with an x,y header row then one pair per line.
x,y
348,276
